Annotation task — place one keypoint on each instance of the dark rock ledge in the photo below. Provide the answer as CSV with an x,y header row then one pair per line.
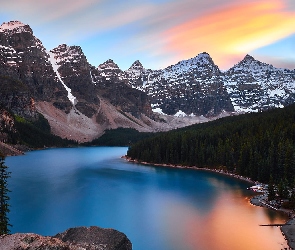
x,y
79,238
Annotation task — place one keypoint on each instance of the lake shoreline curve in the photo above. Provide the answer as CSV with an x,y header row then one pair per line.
x,y
288,229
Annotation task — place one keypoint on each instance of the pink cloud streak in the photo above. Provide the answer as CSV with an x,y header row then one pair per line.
x,y
231,32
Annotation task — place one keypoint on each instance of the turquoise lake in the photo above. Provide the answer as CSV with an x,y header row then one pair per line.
x,y
156,207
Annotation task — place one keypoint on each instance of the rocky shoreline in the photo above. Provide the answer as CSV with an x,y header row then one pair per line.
x,y
288,229
87,238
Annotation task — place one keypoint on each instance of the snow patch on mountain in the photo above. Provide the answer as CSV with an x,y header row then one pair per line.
x,y
158,110
54,62
180,114
9,55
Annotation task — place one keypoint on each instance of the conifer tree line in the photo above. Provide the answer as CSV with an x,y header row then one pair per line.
x,y
258,145
4,198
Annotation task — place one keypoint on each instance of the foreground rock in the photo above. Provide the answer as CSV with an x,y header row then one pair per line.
x,y
289,231
92,238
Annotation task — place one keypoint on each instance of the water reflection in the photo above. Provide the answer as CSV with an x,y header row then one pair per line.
x,y
230,225
158,208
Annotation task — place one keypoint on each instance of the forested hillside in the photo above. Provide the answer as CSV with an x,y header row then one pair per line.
x,y
33,134
257,145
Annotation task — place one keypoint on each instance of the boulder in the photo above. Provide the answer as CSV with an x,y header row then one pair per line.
x,y
86,238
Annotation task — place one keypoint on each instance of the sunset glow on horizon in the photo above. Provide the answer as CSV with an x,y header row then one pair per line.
x,y
233,32
162,32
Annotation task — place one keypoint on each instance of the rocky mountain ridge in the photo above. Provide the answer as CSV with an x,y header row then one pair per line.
x,y
81,101
197,87
60,85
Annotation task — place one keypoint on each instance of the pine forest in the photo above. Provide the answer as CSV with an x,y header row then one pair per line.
x,y
257,145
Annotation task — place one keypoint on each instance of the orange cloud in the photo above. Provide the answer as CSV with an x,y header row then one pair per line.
x,y
230,33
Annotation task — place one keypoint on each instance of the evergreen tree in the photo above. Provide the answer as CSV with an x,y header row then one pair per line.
x,y
255,145
4,198
292,199
271,190
283,189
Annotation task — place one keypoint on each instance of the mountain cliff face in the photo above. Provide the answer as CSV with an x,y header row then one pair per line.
x,y
80,100
25,66
73,70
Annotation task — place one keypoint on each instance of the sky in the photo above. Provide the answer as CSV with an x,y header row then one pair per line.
x,y
160,33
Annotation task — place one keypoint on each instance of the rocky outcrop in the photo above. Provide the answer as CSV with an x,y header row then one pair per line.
x,y
21,241
95,238
91,238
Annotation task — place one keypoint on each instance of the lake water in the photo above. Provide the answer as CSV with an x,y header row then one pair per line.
x,y
157,208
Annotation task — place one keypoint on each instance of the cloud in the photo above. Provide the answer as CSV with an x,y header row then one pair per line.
x,y
278,62
166,31
86,14
229,33
47,10
72,21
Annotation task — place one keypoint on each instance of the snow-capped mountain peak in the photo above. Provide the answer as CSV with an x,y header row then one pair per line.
x,y
250,64
248,58
15,26
108,65
202,64
136,66
182,86
109,70
134,73
255,86
68,54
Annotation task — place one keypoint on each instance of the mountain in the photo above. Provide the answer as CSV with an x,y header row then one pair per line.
x,y
197,86
26,73
80,101
191,87
254,85
61,85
